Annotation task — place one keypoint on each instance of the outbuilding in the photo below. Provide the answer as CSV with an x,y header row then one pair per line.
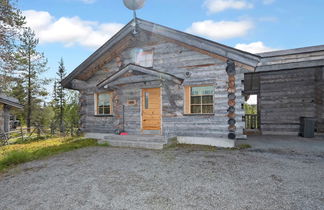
x,y
7,104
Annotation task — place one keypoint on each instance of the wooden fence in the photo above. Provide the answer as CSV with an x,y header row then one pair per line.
x,y
252,121
22,134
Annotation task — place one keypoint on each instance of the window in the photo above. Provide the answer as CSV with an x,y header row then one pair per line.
x,y
144,58
199,100
146,100
103,106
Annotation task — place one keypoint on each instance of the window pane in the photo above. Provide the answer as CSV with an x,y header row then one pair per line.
x,y
207,109
207,99
195,109
100,110
103,103
146,100
196,100
107,110
103,99
208,90
144,58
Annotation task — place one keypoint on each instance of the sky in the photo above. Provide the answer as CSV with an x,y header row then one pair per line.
x,y
74,29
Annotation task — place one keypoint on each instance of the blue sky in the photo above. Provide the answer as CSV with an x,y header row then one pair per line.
x,y
73,29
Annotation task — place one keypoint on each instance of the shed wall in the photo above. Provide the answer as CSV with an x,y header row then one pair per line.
x,y
287,95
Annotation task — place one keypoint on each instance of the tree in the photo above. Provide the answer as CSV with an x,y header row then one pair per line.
x,y
71,110
30,64
11,21
60,94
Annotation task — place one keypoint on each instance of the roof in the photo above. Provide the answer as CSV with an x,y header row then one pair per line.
x,y
291,59
13,102
188,39
292,51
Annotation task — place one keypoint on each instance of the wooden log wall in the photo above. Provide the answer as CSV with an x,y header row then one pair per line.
x,y
285,96
179,61
1,118
319,99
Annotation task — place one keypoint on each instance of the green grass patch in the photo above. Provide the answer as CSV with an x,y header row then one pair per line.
x,y
106,144
35,150
244,146
26,140
192,147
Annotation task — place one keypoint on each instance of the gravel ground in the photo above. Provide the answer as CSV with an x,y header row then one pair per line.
x,y
177,178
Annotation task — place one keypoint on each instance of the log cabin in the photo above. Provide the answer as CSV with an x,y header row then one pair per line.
x,y
7,104
155,83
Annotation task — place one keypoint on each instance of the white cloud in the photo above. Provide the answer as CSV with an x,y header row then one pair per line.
x,y
220,30
37,19
70,30
214,6
254,47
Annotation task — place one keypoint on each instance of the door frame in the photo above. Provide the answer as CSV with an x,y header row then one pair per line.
x,y
141,110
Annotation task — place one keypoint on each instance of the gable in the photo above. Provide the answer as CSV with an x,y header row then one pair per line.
x,y
132,77
169,58
150,34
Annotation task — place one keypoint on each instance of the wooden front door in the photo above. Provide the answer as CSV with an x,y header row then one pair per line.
x,y
151,109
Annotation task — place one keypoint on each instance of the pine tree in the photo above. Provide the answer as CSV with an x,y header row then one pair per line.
x,y
30,64
61,73
11,21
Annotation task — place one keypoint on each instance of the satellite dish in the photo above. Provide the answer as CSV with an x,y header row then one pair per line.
x,y
134,4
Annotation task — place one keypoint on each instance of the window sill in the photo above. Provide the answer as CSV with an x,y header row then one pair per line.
x,y
209,114
103,115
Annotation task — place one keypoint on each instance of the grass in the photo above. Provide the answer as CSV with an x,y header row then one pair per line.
x,y
12,155
244,146
192,147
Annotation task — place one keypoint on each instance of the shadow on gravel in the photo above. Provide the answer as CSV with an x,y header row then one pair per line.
x,y
287,152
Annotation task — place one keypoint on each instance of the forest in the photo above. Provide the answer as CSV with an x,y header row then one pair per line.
x,y
48,107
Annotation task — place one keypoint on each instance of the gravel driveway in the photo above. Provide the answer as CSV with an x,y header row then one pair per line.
x,y
178,178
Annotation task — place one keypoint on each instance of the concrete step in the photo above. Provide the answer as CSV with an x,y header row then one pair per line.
x,y
134,144
144,138
135,141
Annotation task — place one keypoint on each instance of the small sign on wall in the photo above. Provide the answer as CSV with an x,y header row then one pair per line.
x,y
131,102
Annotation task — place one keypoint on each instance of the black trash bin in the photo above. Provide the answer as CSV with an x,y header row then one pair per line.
x,y
307,127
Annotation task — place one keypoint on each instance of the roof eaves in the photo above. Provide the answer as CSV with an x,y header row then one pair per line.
x,y
86,63
11,103
199,42
302,50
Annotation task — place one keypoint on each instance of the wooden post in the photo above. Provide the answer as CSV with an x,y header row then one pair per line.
x,y
6,116
21,132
